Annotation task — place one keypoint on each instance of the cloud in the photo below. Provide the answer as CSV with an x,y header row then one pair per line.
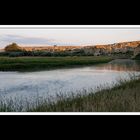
x,y
26,40
23,40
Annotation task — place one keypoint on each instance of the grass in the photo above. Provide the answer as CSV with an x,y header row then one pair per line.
x,y
42,63
122,97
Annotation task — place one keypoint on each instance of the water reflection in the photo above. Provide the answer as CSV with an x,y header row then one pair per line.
x,y
48,83
121,65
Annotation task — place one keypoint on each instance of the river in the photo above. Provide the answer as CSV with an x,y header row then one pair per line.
x,y
48,83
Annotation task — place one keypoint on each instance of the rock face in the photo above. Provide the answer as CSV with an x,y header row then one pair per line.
x,y
112,48
91,50
137,51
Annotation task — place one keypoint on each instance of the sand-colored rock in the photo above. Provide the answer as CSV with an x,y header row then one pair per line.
x,y
122,47
137,50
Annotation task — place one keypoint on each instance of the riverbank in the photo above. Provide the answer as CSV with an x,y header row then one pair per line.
x,y
124,97
47,63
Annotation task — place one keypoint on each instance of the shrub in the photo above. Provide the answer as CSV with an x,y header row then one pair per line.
x,y
4,53
45,53
12,48
16,54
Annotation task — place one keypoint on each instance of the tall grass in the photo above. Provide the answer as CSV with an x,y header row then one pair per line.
x,y
41,63
122,97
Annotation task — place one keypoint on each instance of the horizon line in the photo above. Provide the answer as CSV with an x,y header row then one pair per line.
x,y
71,45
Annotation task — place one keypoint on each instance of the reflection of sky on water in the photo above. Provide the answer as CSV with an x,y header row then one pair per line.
x,y
121,65
44,83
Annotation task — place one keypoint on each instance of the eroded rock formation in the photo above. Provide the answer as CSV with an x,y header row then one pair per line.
x,y
122,47
137,51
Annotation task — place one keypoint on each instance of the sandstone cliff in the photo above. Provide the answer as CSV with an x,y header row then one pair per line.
x,y
137,51
122,47
108,49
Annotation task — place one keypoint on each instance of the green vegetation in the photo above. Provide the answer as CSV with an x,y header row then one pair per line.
x,y
123,97
14,52
79,52
137,57
121,55
43,63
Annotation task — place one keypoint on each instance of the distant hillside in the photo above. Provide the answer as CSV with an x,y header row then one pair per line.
x,y
132,44
112,48
115,46
108,49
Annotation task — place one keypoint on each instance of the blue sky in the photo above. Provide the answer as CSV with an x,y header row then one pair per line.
x,y
66,36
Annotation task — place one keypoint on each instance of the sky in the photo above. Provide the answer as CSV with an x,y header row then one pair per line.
x,y
83,37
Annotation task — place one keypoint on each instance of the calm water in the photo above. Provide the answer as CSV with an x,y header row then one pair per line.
x,y
48,83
